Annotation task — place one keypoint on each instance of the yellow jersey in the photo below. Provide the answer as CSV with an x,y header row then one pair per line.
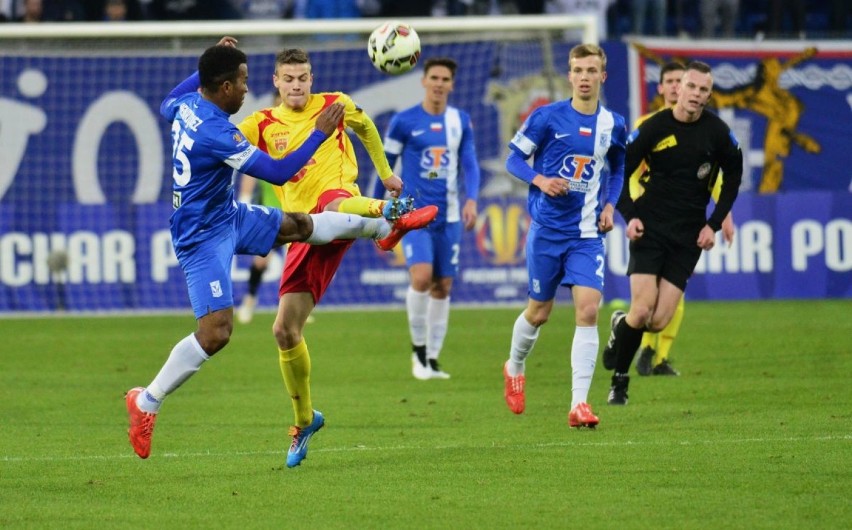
x,y
281,130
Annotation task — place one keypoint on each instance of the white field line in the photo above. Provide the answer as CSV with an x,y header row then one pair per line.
x,y
359,448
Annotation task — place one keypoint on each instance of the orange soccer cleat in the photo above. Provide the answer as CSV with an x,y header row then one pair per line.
x,y
407,222
582,416
141,424
514,391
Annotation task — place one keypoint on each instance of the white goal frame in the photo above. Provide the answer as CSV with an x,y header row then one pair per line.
x,y
588,24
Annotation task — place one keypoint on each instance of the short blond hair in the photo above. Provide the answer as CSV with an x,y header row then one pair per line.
x,y
587,50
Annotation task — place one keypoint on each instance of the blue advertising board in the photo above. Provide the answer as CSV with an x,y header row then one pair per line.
x,y
85,178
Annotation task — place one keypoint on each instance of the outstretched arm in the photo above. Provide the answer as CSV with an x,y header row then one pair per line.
x,y
191,83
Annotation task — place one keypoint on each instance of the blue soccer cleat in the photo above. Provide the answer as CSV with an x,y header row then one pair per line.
x,y
396,208
299,448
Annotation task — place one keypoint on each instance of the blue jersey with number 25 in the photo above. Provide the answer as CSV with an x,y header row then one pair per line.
x,y
207,152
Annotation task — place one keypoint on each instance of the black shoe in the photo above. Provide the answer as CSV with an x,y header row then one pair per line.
x,y
437,373
664,368
618,390
646,357
609,349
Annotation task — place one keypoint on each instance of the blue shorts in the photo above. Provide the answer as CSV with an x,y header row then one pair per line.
x,y
553,259
207,265
438,245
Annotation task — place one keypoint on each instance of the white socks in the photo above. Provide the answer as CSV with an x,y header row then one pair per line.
x,y
437,320
428,319
416,305
186,358
584,355
329,226
524,336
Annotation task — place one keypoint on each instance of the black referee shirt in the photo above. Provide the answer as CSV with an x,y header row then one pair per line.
x,y
684,161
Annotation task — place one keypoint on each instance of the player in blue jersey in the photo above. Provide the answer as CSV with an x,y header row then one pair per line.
x,y
209,226
575,181
434,140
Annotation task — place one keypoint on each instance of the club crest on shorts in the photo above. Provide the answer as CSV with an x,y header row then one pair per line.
x,y
704,170
216,289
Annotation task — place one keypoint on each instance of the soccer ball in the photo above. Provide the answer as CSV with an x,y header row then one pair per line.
x,y
394,47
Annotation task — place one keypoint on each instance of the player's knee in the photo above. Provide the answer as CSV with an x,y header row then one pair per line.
x,y
297,226
537,318
641,314
653,328
215,339
587,315
658,323
287,336
439,291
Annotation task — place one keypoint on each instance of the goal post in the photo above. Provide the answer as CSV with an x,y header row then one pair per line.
x,y
85,171
587,24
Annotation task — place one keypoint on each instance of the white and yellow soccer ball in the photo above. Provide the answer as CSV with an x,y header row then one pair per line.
x,y
394,47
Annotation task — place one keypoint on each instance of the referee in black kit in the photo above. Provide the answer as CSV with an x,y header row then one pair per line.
x,y
668,226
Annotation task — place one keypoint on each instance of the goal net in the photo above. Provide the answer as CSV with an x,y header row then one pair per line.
x,y
85,166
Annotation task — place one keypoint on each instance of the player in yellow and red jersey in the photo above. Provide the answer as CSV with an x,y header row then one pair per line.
x,y
326,183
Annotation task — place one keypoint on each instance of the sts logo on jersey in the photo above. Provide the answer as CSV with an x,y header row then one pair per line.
x,y
435,160
579,171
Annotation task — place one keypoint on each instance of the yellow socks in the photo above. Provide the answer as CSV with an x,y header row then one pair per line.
x,y
649,340
667,336
296,370
363,206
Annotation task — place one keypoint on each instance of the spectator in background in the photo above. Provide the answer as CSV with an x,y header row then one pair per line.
x,y
838,15
715,13
530,7
598,8
114,10
456,8
33,12
64,11
190,10
798,16
639,10
327,9
6,9
407,8
265,9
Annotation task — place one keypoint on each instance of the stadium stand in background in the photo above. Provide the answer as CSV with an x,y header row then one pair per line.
x,y
824,19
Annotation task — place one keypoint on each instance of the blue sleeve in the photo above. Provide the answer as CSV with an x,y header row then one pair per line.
x,y
391,159
280,171
615,157
470,165
379,189
190,84
394,140
517,166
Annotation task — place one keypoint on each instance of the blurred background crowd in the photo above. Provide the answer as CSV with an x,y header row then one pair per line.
x,y
681,18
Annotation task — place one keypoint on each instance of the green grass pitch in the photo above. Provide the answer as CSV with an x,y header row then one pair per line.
x,y
756,433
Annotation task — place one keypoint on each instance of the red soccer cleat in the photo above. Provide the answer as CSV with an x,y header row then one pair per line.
x,y
582,416
406,223
514,391
141,424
